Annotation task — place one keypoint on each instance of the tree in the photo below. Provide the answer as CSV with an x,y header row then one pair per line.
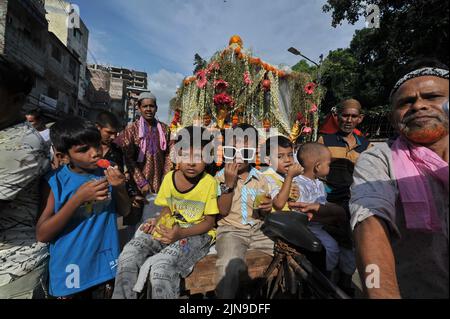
x,y
408,29
304,67
339,76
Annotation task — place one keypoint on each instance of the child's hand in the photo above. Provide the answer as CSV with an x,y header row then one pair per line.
x,y
169,236
266,205
95,190
295,170
295,192
149,226
231,174
115,177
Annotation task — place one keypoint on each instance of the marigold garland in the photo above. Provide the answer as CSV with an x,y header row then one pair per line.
x,y
238,75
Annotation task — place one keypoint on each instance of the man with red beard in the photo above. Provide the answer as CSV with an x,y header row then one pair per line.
x,y
399,199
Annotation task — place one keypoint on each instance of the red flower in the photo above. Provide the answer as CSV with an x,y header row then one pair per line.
x,y
223,99
247,79
307,130
213,67
301,118
266,85
176,118
201,79
310,88
313,108
220,85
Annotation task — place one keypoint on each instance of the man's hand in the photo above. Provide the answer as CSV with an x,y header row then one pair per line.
x,y
137,201
168,236
149,226
115,177
231,174
295,170
145,190
95,190
308,209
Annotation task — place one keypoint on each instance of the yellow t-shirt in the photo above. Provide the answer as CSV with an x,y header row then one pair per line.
x,y
189,208
276,183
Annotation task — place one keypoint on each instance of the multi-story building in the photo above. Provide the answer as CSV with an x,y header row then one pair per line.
x,y
24,38
62,77
75,36
122,87
131,78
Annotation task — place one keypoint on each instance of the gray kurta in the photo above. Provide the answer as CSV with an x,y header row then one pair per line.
x,y
422,259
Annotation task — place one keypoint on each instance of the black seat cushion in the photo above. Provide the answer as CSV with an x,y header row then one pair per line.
x,y
292,228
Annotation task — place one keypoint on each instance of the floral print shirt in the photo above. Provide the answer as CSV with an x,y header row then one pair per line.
x,y
154,167
24,159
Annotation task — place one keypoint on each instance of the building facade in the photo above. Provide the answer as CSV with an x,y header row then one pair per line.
x,y
24,39
62,76
75,36
116,89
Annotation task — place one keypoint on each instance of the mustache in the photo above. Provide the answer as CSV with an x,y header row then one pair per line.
x,y
411,117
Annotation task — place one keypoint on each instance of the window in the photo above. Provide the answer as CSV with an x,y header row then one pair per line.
x,y
77,33
73,69
56,53
52,93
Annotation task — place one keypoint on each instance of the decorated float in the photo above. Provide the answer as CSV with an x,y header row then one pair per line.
x,y
236,87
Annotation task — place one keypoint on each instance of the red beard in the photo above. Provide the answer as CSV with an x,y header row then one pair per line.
x,y
426,135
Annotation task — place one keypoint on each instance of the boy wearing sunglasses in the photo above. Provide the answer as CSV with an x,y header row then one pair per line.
x,y
238,230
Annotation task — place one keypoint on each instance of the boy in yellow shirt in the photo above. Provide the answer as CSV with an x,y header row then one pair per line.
x,y
282,171
182,234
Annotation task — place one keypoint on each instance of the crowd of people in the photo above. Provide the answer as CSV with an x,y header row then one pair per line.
x,y
62,190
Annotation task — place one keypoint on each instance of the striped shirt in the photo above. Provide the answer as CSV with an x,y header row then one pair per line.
x,y
276,182
244,195
344,158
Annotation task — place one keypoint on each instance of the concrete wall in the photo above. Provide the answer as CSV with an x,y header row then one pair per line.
x,y
57,17
76,40
24,38
3,12
59,77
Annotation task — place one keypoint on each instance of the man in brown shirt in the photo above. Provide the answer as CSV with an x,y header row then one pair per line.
x,y
146,145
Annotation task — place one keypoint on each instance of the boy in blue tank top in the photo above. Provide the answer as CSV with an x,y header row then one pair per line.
x,y
79,214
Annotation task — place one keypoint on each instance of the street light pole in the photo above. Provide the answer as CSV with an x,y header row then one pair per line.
x,y
298,53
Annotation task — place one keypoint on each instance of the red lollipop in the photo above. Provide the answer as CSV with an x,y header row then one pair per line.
x,y
103,163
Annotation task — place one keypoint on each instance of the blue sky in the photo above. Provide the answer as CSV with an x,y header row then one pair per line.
x,y
161,37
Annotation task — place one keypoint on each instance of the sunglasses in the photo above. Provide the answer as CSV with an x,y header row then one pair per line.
x,y
246,153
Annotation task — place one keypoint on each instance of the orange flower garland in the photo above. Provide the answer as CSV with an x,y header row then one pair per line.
x,y
235,39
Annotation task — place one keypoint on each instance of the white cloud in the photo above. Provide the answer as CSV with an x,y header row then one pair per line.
x,y
169,33
163,84
175,30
